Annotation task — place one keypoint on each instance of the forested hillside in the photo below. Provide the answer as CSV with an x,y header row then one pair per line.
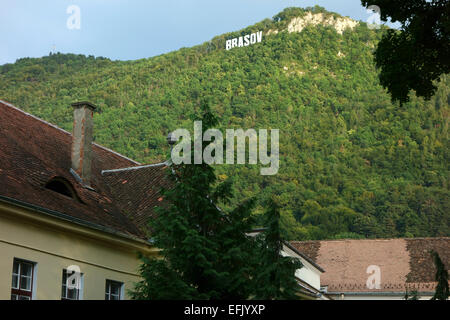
x,y
352,164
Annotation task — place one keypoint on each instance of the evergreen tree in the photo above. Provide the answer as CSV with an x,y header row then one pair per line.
x,y
276,278
442,290
411,295
205,253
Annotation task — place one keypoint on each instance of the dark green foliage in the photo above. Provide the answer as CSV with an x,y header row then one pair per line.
x,y
442,290
275,279
352,164
205,252
161,283
419,53
411,295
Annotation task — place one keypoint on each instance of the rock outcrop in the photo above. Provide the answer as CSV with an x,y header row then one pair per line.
x,y
299,23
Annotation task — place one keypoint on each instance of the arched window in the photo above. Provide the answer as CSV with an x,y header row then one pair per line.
x,y
61,186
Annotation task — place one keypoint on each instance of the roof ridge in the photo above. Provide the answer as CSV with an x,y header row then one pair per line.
x,y
34,117
160,164
116,153
62,130
375,239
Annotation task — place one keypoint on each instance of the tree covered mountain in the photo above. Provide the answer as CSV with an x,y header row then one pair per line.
x,y
352,164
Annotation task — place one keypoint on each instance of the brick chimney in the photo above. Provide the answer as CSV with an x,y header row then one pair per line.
x,y
82,140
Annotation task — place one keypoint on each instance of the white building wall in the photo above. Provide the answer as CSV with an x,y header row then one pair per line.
x,y
309,273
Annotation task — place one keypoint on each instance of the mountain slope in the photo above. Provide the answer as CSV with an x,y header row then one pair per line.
x,y
352,164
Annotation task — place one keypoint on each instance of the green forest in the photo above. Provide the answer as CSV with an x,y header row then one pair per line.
x,y
352,163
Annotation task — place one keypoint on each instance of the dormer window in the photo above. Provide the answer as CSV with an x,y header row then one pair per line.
x,y
62,186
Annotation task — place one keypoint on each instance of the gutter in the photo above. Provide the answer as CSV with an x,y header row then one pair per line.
x,y
311,292
77,221
380,293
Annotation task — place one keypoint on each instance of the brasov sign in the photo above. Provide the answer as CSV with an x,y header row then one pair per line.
x,y
244,41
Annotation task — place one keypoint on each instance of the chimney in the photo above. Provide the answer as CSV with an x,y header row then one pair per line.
x,y
82,140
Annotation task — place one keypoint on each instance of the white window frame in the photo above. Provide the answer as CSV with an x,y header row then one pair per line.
x,y
80,289
33,281
108,283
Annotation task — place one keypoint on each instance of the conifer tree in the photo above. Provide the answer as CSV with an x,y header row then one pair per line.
x,y
276,277
442,289
205,253
411,295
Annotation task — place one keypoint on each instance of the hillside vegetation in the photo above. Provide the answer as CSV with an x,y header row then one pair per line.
x,y
352,164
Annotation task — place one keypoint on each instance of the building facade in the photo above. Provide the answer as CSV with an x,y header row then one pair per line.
x,y
73,220
73,214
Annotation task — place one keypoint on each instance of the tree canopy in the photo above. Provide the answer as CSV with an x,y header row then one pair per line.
x,y
414,57
352,163
207,253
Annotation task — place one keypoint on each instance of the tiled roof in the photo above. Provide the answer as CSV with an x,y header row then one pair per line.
x,y
32,152
403,263
137,191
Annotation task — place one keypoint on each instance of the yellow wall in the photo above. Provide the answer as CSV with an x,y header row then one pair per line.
x,y
55,246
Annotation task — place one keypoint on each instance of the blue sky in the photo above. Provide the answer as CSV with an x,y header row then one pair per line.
x,y
134,29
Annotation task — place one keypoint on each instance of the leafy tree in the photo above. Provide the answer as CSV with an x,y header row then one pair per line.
x,y
442,290
418,54
351,161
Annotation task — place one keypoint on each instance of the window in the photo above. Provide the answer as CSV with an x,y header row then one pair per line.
x,y
71,285
22,280
113,290
62,186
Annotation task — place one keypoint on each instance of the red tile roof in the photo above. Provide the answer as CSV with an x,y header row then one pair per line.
x,y
137,191
33,151
404,263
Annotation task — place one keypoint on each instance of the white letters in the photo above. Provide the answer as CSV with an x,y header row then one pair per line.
x,y
241,42
243,310
374,280
264,158
244,41
193,310
252,145
216,146
74,21
228,44
259,36
184,146
213,152
374,21
198,143
73,280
